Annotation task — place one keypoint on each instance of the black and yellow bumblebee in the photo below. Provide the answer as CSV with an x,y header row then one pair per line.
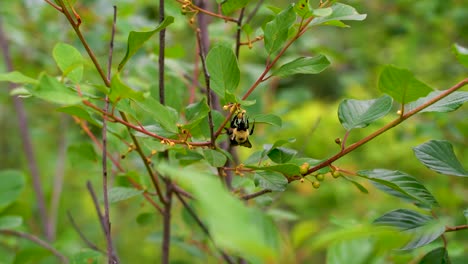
x,y
239,131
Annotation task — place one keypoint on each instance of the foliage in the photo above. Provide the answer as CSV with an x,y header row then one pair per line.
x,y
169,178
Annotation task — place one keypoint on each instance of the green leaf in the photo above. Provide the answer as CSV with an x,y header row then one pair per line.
x,y
340,12
11,187
447,104
423,228
281,155
221,63
436,256
234,226
69,60
229,6
268,119
303,65
401,185
270,180
461,53
146,219
357,184
10,221
214,157
165,116
51,90
16,77
276,31
196,112
322,12
137,39
402,85
117,194
302,8
79,111
119,90
360,113
438,156
465,213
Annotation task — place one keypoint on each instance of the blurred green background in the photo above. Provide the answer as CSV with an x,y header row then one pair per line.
x,y
416,35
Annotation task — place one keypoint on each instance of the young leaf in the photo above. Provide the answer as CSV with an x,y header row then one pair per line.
x,y
438,156
120,90
461,53
165,116
436,256
11,187
401,185
276,31
360,113
271,180
69,60
281,155
10,221
16,77
51,90
302,8
229,6
357,184
303,65
197,111
246,231
117,194
267,119
221,63
402,85
447,104
423,228
340,12
137,39
215,158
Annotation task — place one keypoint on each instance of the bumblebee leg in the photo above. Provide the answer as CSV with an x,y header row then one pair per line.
x,y
252,130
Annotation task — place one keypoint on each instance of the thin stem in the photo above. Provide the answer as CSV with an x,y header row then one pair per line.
x,y
239,31
82,235
256,194
385,128
201,53
455,228
162,48
28,147
110,250
90,188
202,226
58,177
36,240
167,223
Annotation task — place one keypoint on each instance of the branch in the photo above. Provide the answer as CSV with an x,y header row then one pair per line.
x,y
112,258
385,128
36,240
28,147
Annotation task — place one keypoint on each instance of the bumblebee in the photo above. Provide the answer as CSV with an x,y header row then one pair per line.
x,y
239,131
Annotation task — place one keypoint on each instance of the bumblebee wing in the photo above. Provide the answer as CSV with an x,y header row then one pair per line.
x,y
246,144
